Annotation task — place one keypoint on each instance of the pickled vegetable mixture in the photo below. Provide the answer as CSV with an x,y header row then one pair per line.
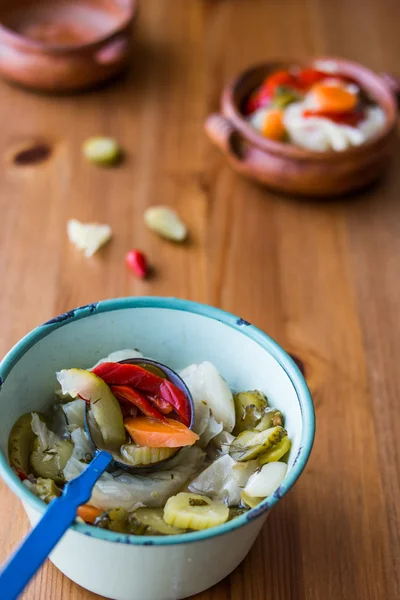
x,y
316,108
183,476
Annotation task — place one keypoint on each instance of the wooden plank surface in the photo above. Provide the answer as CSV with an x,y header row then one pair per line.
x,y
321,278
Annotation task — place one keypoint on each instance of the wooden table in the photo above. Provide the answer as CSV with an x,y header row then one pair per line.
x,y
321,278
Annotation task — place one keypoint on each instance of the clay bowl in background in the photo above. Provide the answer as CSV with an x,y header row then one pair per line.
x,y
288,168
64,45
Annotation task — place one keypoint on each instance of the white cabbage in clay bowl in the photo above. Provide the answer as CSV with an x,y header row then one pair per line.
x,y
254,426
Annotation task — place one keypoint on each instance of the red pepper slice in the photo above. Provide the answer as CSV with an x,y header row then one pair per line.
x,y
163,406
344,118
281,78
259,98
124,392
133,375
170,393
21,475
142,380
128,409
307,77
265,94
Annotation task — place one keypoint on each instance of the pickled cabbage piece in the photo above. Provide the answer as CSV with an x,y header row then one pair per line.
x,y
84,450
265,481
75,413
193,379
222,441
151,490
209,389
211,431
218,481
57,421
47,438
243,470
220,445
223,480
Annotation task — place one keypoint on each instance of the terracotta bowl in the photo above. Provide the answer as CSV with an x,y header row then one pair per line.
x,y
64,45
288,168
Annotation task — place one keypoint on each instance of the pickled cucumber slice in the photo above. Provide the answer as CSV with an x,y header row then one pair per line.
x,y
103,404
150,521
249,409
251,443
271,418
46,490
49,463
20,443
137,456
102,151
236,511
115,519
250,501
276,452
191,511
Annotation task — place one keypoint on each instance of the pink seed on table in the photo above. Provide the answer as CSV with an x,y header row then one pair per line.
x,y
137,262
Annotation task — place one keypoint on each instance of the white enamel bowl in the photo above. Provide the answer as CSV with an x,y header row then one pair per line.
x,y
177,333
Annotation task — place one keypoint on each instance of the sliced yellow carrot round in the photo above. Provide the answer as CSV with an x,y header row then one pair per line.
x,y
155,433
273,127
334,98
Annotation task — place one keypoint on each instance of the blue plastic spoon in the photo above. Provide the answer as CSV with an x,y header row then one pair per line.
x,y
60,514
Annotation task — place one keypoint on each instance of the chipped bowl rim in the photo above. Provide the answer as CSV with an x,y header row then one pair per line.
x,y
154,302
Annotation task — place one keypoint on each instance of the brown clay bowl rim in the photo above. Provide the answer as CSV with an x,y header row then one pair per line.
x,y
367,79
26,42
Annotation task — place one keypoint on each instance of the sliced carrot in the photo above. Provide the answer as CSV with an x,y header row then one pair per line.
x,y
154,433
88,513
333,98
273,127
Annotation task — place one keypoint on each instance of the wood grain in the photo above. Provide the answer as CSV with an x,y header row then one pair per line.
x,y
322,279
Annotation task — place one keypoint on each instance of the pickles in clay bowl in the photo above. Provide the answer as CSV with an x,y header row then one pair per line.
x,y
203,463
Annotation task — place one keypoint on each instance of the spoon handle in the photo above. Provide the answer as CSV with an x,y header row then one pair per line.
x,y
61,512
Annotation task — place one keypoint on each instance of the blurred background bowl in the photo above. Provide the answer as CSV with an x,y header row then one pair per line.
x,y
64,45
288,168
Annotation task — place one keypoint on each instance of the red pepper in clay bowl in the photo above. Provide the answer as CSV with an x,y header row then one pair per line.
x,y
338,95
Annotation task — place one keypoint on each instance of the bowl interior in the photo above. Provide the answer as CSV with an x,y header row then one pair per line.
x,y
237,93
174,332
64,23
